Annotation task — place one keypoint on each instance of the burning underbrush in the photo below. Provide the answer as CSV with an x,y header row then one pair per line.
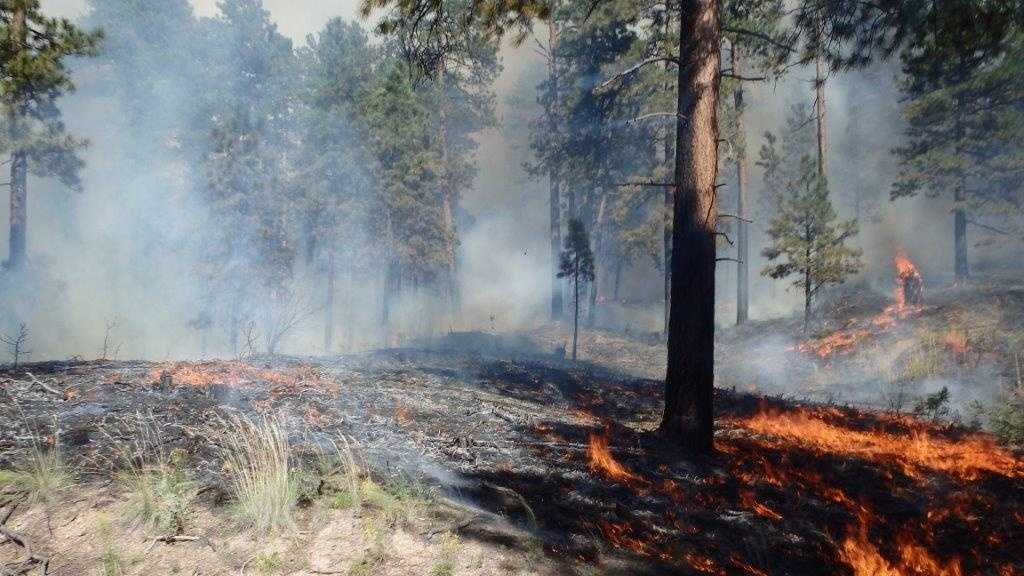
x,y
566,454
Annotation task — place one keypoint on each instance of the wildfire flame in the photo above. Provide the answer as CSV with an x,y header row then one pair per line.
x,y
602,461
914,451
860,554
908,283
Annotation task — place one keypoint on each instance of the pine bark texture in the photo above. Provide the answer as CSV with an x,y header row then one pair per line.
x,y
689,382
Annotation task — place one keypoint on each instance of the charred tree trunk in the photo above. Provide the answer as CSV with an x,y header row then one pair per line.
x,y
554,191
18,239
742,232
689,383
598,252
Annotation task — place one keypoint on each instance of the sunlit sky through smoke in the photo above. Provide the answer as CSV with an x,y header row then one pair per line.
x,y
295,18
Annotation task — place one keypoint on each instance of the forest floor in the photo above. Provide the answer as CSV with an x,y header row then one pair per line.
x,y
490,455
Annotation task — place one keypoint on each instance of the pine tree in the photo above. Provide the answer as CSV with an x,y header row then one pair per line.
x,y
335,166
247,123
965,124
808,239
33,51
576,264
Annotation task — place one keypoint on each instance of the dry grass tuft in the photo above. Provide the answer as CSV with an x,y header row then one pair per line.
x,y
256,460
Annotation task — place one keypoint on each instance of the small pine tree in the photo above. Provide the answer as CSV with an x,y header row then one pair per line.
x,y
808,239
577,264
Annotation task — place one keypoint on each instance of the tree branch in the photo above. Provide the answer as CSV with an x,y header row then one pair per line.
x,y
726,236
736,217
643,117
760,36
634,69
727,259
648,183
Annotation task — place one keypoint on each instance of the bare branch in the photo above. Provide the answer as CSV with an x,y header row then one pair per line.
x,y
734,216
726,236
726,259
760,36
990,228
674,115
648,183
728,73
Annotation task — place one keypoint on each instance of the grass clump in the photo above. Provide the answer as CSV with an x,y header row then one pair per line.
x,y
43,474
162,497
445,563
378,535
160,492
256,460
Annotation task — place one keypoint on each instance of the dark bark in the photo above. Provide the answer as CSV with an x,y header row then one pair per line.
x,y
554,191
742,232
689,383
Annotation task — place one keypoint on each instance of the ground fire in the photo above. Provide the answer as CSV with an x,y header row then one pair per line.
x,y
511,287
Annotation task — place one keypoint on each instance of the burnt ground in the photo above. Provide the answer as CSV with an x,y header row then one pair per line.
x,y
511,432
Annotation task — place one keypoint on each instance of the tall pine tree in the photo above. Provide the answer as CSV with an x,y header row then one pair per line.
x,y
33,52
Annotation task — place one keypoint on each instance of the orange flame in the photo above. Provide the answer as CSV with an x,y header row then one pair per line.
x,y
966,458
602,461
860,554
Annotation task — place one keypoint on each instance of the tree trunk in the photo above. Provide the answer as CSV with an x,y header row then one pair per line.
x,y
329,304
960,242
598,251
18,239
668,207
742,232
448,204
689,381
807,298
819,113
554,191
960,266
618,277
576,310
19,211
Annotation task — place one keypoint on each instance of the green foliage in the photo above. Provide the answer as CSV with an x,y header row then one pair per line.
x,y
964,93
35,77
807,241
162,497
577,261
934,406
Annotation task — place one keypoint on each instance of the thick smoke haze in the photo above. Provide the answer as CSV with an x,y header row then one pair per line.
x,y
123,253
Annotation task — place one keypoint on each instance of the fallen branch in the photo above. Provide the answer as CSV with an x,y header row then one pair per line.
x,y
43,385
32,559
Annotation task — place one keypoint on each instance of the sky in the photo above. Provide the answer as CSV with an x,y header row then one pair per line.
x,y
295,18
